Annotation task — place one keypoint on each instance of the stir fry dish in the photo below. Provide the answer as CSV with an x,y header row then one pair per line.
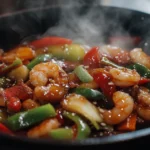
x,y
57,89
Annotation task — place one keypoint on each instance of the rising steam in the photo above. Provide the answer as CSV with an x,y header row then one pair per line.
x,y
85,24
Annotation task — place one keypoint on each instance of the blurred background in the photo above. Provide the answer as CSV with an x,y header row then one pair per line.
x,y
8,6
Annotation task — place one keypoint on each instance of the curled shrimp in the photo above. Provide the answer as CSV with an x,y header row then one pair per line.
x,y
143,107
50,82
116,54
44,128
124,77
123,107
138,56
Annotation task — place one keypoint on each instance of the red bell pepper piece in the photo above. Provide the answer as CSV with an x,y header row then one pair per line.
x,y
143,81
92,58
21,91
129,124
103,79
4,129
14,104
47,41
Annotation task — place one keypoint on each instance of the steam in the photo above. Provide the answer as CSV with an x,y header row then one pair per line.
x,y
83,21
85,24
82,28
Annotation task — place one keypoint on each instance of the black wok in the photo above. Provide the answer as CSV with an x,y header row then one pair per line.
x,y
27,25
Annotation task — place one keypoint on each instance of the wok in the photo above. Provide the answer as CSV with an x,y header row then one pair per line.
x,y
27,25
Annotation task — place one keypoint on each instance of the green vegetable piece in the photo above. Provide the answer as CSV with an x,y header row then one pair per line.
x,y
74,52
83,130
89,93
17,62
82,74
106,61
141,69
61,134
31,117
38,59
70,52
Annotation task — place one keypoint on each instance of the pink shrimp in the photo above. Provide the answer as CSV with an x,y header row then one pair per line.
x,y
50,82
44,128
124,77
138,56
143,107
123,108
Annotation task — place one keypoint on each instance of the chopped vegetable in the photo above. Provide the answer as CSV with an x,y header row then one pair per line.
x,y
38,59
72,52
141,69
83,130
20,73
129,124
47,41
4,129
61,134
16,63
106,61
103,79
79,104
14,104
24,53
31,117
21,91
143,81
89,93
83,74
92,58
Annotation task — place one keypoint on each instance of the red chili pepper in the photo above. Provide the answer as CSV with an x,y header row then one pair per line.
x,y
4,129
14,104
22,91
47,41
92,58
103,79
143,81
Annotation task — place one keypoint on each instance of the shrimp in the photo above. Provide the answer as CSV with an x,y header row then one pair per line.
x,y
116,54
124,77
123,108
44,128
50,82
138,56
143,106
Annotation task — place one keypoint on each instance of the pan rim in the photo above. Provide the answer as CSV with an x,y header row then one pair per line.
x,y
113,139
9,14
